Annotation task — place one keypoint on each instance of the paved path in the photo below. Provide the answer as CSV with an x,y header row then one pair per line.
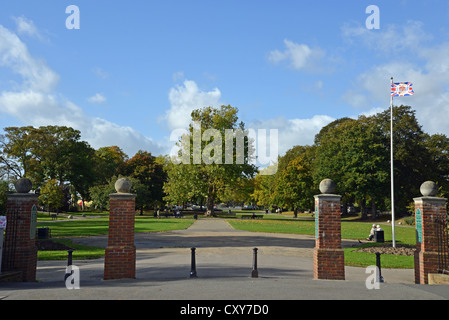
x,y
224,264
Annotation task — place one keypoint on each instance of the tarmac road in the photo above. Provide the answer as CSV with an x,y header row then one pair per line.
x,y
224,260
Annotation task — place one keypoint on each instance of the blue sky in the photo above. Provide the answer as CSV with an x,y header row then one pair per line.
x,y
135,69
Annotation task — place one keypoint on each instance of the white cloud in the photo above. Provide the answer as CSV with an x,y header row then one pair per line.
x,y
35,73
36,103
27,27
100,73
391,38
426,67
186,98
293,132
300,56
97,98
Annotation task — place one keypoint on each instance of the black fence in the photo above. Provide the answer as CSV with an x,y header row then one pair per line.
x,y
441,231
10,244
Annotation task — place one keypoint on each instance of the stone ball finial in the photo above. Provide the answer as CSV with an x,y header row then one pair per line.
x,y
327,186
23,185
123,185
429,189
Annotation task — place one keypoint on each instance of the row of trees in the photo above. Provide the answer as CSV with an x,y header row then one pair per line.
x,y
65,169
355,153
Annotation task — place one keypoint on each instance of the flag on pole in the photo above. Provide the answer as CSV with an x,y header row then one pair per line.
x,y
402,89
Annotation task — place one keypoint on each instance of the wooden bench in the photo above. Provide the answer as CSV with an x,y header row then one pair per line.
x,y
166,215
250,216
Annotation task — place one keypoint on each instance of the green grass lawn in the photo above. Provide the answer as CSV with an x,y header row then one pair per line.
x,y
363,259
98,226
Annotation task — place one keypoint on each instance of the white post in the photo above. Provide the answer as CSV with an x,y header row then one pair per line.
x,y
392,170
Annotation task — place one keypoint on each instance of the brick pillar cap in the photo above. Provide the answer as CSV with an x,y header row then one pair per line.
x,y
429,199
327,197
12,196
122,195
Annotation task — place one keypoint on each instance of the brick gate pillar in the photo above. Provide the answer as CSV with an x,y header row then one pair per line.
x,y
428,209
120,255
19,250
328,256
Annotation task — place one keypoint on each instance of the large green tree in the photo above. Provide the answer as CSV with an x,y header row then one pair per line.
x,y
353,154
412,159
109,162
438,148
294,186
49,153
52,195
149,172
211,167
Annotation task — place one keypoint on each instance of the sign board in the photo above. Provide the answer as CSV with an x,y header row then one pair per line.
x,y
33,222
418,223
316,221
2,227
2,222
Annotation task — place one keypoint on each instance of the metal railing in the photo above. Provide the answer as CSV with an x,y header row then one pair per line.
x,y
441,231
9,246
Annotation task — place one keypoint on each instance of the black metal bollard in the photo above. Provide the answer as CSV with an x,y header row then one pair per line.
x,y
69,263
193,265
255,273
379,275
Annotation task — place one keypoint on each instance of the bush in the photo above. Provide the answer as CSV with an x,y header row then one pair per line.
x,y
410,221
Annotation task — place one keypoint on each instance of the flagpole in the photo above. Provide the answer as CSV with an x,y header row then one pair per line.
x,y
392,170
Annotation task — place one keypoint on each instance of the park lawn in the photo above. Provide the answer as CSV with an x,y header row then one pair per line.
x,y
80,252
98,226
364,259
349,229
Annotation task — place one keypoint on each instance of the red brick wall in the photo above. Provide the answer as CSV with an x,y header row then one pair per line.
x,y
328,257
120,255
426,255
20,251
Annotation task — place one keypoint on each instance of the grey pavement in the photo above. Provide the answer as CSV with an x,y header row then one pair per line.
x,y
224,260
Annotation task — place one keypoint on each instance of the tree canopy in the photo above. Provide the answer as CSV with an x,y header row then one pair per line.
x,y
355,153
216,154
208,175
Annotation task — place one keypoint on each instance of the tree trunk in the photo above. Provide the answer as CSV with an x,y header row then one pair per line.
x,y
373,209
362,208
210,201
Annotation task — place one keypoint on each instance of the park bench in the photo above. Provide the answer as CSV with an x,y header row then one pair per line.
x,y
166,215
250,216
